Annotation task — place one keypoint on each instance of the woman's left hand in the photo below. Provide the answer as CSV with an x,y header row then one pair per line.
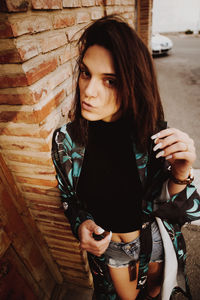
x,y
177,147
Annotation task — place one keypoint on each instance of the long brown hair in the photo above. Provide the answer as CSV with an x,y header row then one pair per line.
x,y
137,88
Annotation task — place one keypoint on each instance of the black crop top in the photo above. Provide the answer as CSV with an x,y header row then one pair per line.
x,y
109,183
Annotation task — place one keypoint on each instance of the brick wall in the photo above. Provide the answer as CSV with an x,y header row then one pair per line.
x,y
37,53
144,17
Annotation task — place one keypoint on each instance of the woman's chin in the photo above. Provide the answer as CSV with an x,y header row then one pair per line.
x,y
89,116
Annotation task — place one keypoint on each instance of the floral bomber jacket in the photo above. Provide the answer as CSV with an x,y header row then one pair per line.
x,y
182,208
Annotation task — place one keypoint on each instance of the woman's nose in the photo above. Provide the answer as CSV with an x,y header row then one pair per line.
x,y
91,88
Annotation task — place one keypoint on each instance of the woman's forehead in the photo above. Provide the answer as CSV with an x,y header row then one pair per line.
x,y
100,59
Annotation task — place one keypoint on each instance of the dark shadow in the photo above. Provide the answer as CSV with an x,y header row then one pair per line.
x,y
160,55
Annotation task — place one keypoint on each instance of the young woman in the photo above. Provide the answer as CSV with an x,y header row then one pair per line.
x,y
125,178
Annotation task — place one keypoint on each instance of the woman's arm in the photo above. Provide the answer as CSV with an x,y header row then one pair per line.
x,y
183,202
61,156
82,223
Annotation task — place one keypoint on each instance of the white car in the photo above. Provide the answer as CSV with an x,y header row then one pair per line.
x,y
160,44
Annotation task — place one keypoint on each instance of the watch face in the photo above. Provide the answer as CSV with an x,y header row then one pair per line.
x,y
185,181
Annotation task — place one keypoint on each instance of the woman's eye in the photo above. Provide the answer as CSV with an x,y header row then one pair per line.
x,y
84,74
110,82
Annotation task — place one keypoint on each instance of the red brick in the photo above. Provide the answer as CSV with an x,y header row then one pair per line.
x,y
110,2
82,17
47,4
36,181
13,80
29,130
61,252
14,5
30,76
75,52
30,159
53,41
72,242
96,14
65,109
27,48
5,29
7,130
23,143
65,54
118,10
48,227
88,2
34,170
110,9
32,117
49,107
100,2
18,50
39,202
40,91
54,119
39,71
15,116
16,96
42,191
53,217
70,84
128,2
73,33
71,3
30,24
10,56
63,20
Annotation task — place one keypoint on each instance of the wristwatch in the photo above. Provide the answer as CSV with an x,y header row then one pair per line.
x,y
186,181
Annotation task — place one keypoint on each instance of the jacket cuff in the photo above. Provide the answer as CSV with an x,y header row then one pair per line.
x,y
83,216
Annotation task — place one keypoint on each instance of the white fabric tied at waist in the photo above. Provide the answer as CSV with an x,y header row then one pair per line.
x,y
171,264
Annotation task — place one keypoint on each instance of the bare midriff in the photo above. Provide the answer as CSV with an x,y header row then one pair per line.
x,y
125,237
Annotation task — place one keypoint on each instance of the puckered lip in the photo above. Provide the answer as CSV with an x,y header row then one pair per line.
x,y
88,104
85,104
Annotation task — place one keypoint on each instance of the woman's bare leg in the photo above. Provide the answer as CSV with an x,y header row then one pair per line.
x,y
155,278
126,289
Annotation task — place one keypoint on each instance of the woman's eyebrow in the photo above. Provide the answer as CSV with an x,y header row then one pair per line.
x,y
109,74
84,65
105,74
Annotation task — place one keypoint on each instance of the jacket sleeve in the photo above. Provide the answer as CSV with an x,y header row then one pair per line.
x,y
181,208
63,162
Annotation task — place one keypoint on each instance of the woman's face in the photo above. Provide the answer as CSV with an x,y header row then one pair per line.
x,y
97,85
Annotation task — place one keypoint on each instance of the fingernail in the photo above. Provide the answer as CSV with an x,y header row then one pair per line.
x,y
158,146
161,153
155,141
100,230
168,156
155,136
110,235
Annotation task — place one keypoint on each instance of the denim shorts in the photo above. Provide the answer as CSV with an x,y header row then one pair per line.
x,y
124,254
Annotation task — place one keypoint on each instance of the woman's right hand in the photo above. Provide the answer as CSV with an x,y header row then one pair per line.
x,y
87,241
